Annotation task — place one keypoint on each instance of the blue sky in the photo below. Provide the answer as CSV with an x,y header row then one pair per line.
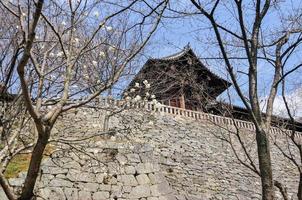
x,y
174,34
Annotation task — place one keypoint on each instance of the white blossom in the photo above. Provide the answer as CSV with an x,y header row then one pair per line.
x,y
59,54
95,151
102,54
113,138
98,81
147,94
145,82
128,98
137,98
94,63
137,85
157,105
126,93
51,54
111,48
63,23
85,66
76,40
109,28
96,14
132,90
153,96
148,86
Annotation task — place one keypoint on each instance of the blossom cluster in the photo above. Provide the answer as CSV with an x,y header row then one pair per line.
x,y
133,96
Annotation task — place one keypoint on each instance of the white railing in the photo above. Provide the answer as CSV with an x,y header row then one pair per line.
x,y
197,115
215,119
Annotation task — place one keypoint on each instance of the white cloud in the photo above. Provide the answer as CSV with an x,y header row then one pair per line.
x,y
294,100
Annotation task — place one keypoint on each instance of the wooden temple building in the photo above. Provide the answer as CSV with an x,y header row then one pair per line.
x,y
182,80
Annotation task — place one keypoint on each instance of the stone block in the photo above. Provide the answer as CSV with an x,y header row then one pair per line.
x,y
55,193
92,187
142,179
152,198
126,189
128,180
85,195
57,182
71,193
100,177
156,178
130,170
168,197
139,192
104,187
116,191
121,159
160,189
143,168
133,158
100,196
16,182
76,175
2,194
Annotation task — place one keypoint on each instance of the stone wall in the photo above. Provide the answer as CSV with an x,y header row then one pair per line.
x,y
150,156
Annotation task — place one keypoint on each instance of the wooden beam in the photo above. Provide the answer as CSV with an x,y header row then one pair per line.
x,y
182,102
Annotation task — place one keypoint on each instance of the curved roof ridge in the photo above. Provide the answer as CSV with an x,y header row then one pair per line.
x,y
184,51
175,55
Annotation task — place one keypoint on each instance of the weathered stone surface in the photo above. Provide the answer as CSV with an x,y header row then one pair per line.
x,y
71,193
133,158
104,187
140,191
160,189
130,170
143,168
163,160
85,195
55,193
128,180
2,194
77,175
143,179
100,195
88,186
168,197
152,198
16,181
60,183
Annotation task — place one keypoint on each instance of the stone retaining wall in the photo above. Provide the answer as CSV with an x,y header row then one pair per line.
x,y
153,157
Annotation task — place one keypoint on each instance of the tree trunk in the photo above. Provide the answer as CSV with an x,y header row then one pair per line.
x,y
265,165
300,188
34,166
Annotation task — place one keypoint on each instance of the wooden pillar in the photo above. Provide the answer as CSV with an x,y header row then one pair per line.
x,y
182,102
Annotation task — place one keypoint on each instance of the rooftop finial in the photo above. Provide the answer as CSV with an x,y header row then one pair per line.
x,y
187,46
